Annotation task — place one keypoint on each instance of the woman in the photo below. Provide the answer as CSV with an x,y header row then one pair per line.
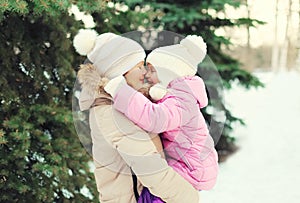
x,y
119,146
176,114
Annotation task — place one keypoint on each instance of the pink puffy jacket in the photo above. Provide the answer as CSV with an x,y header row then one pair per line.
x,y
188,146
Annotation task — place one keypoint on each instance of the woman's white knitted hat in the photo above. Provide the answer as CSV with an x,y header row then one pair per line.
x,y
178,60
111,54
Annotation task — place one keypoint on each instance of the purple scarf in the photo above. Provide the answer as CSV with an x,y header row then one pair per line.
x,y
147,197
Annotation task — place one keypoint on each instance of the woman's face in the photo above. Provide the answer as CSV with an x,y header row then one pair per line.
x,y
135,76
151,75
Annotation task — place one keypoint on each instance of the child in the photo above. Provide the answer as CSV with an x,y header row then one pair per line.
x,y
188,146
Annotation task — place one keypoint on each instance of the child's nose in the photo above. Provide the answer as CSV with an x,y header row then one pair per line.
x,y
148,74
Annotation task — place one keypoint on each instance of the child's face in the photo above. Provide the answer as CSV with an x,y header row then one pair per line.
x,y
151,75
135,76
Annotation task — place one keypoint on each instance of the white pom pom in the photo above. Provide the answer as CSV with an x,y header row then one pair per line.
x,y
198,40
196,46
84,41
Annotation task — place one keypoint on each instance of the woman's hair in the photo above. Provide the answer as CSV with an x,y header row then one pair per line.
x,y
91,80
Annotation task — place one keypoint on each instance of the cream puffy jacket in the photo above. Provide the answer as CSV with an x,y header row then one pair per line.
x,y
118,145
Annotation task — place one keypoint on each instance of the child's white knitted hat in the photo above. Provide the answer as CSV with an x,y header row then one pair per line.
x,y
178,60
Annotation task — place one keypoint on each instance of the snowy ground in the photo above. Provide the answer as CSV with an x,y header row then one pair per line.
x,y
267,166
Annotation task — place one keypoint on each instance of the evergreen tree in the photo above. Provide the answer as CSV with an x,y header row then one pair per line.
x,y
42,159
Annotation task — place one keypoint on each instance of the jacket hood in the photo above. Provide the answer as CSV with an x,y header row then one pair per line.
x,y
192,85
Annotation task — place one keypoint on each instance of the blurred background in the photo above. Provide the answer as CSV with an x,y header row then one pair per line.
x,y
253,45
